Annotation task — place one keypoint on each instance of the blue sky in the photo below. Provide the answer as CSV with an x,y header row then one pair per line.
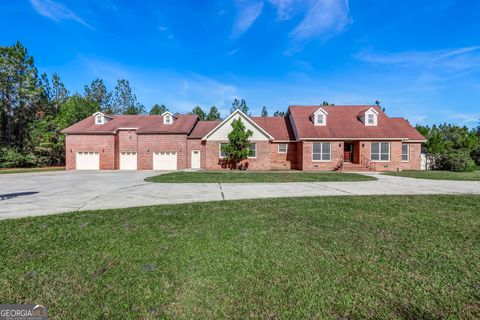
x,y
421,59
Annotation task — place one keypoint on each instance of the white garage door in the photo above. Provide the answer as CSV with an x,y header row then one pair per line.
x,y
165,161
128,161
88,161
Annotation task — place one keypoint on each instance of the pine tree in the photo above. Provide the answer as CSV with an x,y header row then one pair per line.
x,y
240,105
124,100
97,92
238,144
213,114
264,112
199,112
158,110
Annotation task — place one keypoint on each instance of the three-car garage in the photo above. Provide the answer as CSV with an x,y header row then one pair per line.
x,y
90,160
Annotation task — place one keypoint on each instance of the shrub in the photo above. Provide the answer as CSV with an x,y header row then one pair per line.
x,y
13,158
454,161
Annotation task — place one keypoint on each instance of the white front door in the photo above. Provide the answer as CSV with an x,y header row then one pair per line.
x,y
87,161
165,160
195,159
128,161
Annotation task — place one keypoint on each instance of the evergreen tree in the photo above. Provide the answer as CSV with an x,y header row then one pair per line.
x,y
213,114
20,94
264,112
199,112
98,93
158,110
124,100
238,144
240,105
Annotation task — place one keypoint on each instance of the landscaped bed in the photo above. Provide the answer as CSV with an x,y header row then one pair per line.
x,y
326,257
438,175
27,170
255,176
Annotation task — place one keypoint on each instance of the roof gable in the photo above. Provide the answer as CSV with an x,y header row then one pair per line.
x,y
344,123
221,131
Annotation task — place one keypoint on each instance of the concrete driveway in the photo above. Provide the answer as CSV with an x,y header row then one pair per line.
x,y
30,194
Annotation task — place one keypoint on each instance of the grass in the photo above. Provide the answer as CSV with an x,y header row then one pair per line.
x,y
252,176
415,257
26,170
438,175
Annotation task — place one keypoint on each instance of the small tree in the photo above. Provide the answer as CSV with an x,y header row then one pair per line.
x,y
238,144
264,112
279,113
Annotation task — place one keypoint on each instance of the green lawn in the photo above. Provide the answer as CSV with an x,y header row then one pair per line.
x,y
25,170
409,257
252,176
438,175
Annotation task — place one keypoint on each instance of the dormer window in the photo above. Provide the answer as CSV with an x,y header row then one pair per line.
x,y
99,118
319,117
369,117
167,117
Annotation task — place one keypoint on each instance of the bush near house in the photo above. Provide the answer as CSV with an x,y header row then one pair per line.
x,y
452,147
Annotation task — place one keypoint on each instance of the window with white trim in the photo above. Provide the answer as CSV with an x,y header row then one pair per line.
x,y
371,118
167,119
405,152
99,119
252,150
282,148
320,118
380,151
222,154
321,151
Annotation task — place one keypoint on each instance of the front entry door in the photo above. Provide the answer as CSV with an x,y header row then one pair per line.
x,y
195,159
348,152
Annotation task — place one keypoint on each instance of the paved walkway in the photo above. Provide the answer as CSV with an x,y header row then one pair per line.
x,y
31,194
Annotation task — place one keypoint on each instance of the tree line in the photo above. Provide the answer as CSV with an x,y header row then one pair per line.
x,y
35,108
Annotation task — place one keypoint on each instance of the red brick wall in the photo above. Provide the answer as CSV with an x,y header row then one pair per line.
x,y
299,147
395,162
336,154
261,162
127,141
103,144
196,144
283,161
150,143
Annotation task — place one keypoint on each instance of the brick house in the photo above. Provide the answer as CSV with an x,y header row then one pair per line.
x,y
323,138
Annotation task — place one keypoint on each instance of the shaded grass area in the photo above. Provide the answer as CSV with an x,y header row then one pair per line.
x,y
26,170
415,257
438,175
255,176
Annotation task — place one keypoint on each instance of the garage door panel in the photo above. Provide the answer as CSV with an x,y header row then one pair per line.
x,y
165,160
128,161
88,160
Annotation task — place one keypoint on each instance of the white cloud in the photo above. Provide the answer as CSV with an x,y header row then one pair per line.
x,y
450,60
180,91
323,18
57,12
285,8
248,12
